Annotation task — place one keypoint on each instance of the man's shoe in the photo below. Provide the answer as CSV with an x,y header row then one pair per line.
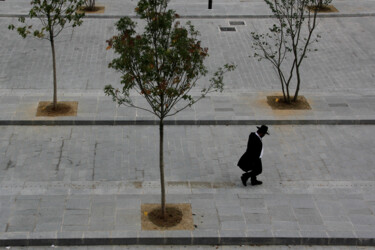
x,y
244,180
256,182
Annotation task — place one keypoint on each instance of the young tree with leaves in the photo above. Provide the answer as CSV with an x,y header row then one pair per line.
x,y
288,40
162,65
54,16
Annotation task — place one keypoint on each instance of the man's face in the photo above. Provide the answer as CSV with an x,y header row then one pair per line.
x,y
261,135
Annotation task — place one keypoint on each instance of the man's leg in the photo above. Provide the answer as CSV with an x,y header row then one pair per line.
x,y
257,171
245,176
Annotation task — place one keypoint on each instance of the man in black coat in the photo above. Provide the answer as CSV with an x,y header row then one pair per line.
x,y
251,161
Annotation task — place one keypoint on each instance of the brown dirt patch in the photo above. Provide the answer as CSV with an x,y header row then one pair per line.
x,y
323,9
96,10
277,103
62,109
179,217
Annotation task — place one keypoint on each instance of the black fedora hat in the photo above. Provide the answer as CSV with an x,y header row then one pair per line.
x,y
263,129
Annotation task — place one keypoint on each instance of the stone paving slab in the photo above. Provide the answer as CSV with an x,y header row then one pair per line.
x,y
84,185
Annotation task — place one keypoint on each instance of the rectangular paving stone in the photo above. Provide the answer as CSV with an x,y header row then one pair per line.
x,y
208,221
47,227
233,225
282,213
365,234
74,219
286,233
341,234
78,203
51,211
303,203
101,226
312,227
305,219
126,203
100,211
260,233
26,212
331,208
256,218
285,225
27,204
73,228
230,218
253,203
222,211
362,219
53,201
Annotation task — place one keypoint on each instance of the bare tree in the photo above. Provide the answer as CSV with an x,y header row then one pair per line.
x,y
288,40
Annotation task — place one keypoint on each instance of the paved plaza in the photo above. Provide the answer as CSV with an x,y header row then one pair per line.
x,y
82,181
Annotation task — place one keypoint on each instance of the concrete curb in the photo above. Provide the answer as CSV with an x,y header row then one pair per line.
x,y
187,241
183,122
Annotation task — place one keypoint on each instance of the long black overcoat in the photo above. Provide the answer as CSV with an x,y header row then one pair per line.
x,y
250,159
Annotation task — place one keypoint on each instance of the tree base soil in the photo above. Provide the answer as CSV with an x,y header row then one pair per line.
x,y
178,217
278,103
323,9
62,109
95,10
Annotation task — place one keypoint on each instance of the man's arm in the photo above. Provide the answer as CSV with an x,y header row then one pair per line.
x,y
254,146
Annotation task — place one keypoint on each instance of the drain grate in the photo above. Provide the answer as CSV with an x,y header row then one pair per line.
x,y
236,23
225,29
338,105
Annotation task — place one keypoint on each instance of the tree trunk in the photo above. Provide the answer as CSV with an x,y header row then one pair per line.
x,y
320,4
161,165
282,83
298,83
297,89
287,94
54,73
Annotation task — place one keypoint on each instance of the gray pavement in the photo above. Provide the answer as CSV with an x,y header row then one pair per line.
x,y
83,185
88,183
199,8
338,80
